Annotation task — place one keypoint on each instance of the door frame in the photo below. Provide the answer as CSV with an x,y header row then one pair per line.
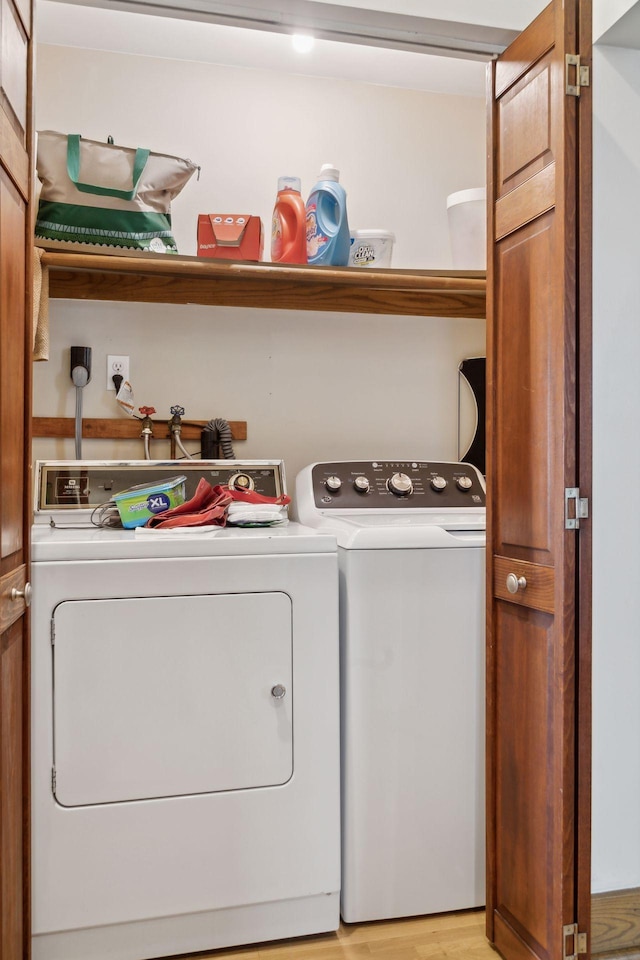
x,y
584,455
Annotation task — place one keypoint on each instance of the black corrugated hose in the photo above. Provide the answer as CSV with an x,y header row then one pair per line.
x,y
224,433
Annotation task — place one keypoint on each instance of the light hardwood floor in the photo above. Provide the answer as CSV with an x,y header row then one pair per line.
x,y
455,936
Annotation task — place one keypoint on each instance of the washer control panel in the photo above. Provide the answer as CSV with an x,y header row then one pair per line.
x,y
396,484
72,485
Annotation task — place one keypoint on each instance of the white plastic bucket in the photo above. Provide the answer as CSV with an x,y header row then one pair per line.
x,y
371,248
467,213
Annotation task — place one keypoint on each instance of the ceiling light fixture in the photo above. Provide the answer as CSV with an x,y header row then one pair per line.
x,y
302,42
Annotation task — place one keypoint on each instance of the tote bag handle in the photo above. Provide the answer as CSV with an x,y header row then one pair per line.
x,y
73,169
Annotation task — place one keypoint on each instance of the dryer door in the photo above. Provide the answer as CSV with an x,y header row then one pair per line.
x,y
167,696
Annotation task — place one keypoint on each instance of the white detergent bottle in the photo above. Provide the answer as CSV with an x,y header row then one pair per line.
x,y
328,239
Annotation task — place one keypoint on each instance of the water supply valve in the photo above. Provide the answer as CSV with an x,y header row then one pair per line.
x,y
147,423
175,424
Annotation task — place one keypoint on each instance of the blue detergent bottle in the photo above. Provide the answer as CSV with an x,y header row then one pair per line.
x,y
328,240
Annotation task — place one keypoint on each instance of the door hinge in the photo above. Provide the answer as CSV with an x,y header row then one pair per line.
x,y
576,508
53,632
53,780
573,943
582,76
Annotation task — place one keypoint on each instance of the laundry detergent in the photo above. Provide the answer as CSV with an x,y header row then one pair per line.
x,y
288,230
328,240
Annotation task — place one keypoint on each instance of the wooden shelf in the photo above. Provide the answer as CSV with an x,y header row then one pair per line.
x,y
158,278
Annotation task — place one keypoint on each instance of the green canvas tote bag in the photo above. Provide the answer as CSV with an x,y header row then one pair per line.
x,y
102,193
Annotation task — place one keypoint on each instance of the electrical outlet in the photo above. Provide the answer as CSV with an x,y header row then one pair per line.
x,y
119,365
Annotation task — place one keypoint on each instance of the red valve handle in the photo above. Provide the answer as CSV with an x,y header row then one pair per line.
x,y
147,411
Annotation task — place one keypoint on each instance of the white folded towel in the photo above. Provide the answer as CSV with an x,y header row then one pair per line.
x,y
256,514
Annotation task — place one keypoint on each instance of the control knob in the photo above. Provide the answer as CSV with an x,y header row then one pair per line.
x,y
333,484
241,481
464,483
362,484
438,483
400,484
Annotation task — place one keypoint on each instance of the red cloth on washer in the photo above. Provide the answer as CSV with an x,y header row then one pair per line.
x,y
252,496
209,506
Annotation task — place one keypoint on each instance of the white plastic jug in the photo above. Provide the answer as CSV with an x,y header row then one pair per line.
x,y
467,213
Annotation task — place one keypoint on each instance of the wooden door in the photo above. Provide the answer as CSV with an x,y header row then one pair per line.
x,y
15,389
537,375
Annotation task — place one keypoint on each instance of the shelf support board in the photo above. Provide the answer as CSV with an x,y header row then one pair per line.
x,y
113,429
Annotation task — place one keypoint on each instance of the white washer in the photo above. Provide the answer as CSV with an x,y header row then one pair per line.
x,y
411,548
185,752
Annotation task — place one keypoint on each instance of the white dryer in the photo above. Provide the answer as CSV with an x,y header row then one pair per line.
x,y
185,725
411,547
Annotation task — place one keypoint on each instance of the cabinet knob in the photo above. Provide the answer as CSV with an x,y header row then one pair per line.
x,y
22,594
278,691
515,583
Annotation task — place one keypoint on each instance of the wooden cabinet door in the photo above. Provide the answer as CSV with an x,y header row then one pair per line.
x,y
15,384
534,393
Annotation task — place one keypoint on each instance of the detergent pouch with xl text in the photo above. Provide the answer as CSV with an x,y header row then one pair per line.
x,y
137,504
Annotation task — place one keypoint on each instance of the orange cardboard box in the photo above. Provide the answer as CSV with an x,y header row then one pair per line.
x,y
230,236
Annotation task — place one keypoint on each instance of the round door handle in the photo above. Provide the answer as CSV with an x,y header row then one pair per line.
x,y
515,583
22,594
278,691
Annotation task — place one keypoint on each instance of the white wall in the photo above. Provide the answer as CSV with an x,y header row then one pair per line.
x,y
606,14
310,385
616,458
400,152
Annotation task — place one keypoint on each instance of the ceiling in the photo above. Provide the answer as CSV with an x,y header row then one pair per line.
x,y
625,32
491,13
100,28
